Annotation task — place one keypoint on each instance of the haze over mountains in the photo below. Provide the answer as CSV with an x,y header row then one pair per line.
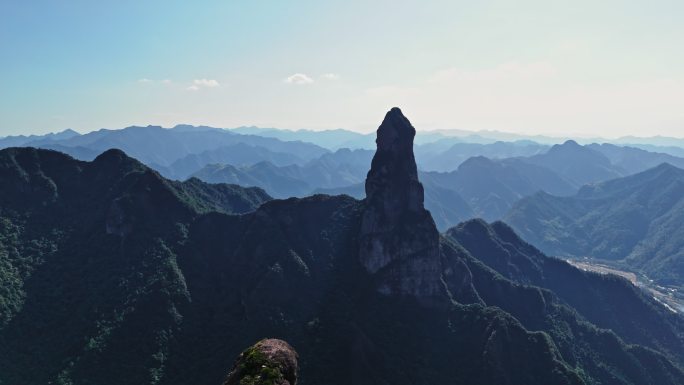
x,y
113,274
428,143
462,179
635,220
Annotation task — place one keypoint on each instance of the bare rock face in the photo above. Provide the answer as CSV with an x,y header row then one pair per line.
x,y
399,240
268,362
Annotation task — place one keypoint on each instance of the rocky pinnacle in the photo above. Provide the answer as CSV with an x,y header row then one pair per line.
x,y
398,241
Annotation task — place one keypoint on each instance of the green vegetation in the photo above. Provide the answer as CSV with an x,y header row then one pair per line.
x,y
633,221
114,275
607,301
257,369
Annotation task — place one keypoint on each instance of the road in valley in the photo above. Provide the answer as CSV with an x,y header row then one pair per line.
x,y
669,297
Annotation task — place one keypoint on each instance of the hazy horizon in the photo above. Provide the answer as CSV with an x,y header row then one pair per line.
x,y
465,133
531,68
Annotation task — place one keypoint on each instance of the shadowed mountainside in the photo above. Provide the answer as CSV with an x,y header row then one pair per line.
x,y
118,276
634,220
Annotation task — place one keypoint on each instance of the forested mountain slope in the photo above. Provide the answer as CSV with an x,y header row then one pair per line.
x,y
118,276
635,220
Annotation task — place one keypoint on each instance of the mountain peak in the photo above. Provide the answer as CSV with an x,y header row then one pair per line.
x,y
665,166
65,134
116,159
112,154
398,239
567,147
395,132
393,177
476,161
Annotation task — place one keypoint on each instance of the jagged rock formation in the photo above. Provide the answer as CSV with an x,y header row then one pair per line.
x,y
161,289
398,238
268,362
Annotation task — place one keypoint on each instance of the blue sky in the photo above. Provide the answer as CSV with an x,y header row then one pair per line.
x,y
583,68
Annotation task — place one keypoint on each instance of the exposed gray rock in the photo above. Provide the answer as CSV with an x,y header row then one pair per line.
x,y
398,238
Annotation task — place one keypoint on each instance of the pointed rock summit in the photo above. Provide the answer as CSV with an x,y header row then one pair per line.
x,y
398,241
393,177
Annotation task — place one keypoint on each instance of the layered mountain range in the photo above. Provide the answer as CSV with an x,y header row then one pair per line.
x,y
635,221
464,175
112,274
478,187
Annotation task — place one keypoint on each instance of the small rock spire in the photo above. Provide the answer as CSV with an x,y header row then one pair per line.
x,y
398,238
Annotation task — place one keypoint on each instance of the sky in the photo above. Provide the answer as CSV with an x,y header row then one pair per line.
x,y
562,68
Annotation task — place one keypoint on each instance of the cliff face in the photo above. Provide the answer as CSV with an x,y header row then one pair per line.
x,y
163,284
398,238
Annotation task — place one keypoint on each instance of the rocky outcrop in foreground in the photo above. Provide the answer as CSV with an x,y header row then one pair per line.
x,y
268,362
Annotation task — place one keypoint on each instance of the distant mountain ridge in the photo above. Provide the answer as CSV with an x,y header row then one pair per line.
x,y
176,143
128,278
22,140
635,220
239,154
634,160
449,159
491,187
477,179
342,168
331,139
438,150
479,187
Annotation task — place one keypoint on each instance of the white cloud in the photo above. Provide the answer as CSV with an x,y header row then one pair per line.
x,y
298,79
209,83
144,80
166,81
198,84
330,76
